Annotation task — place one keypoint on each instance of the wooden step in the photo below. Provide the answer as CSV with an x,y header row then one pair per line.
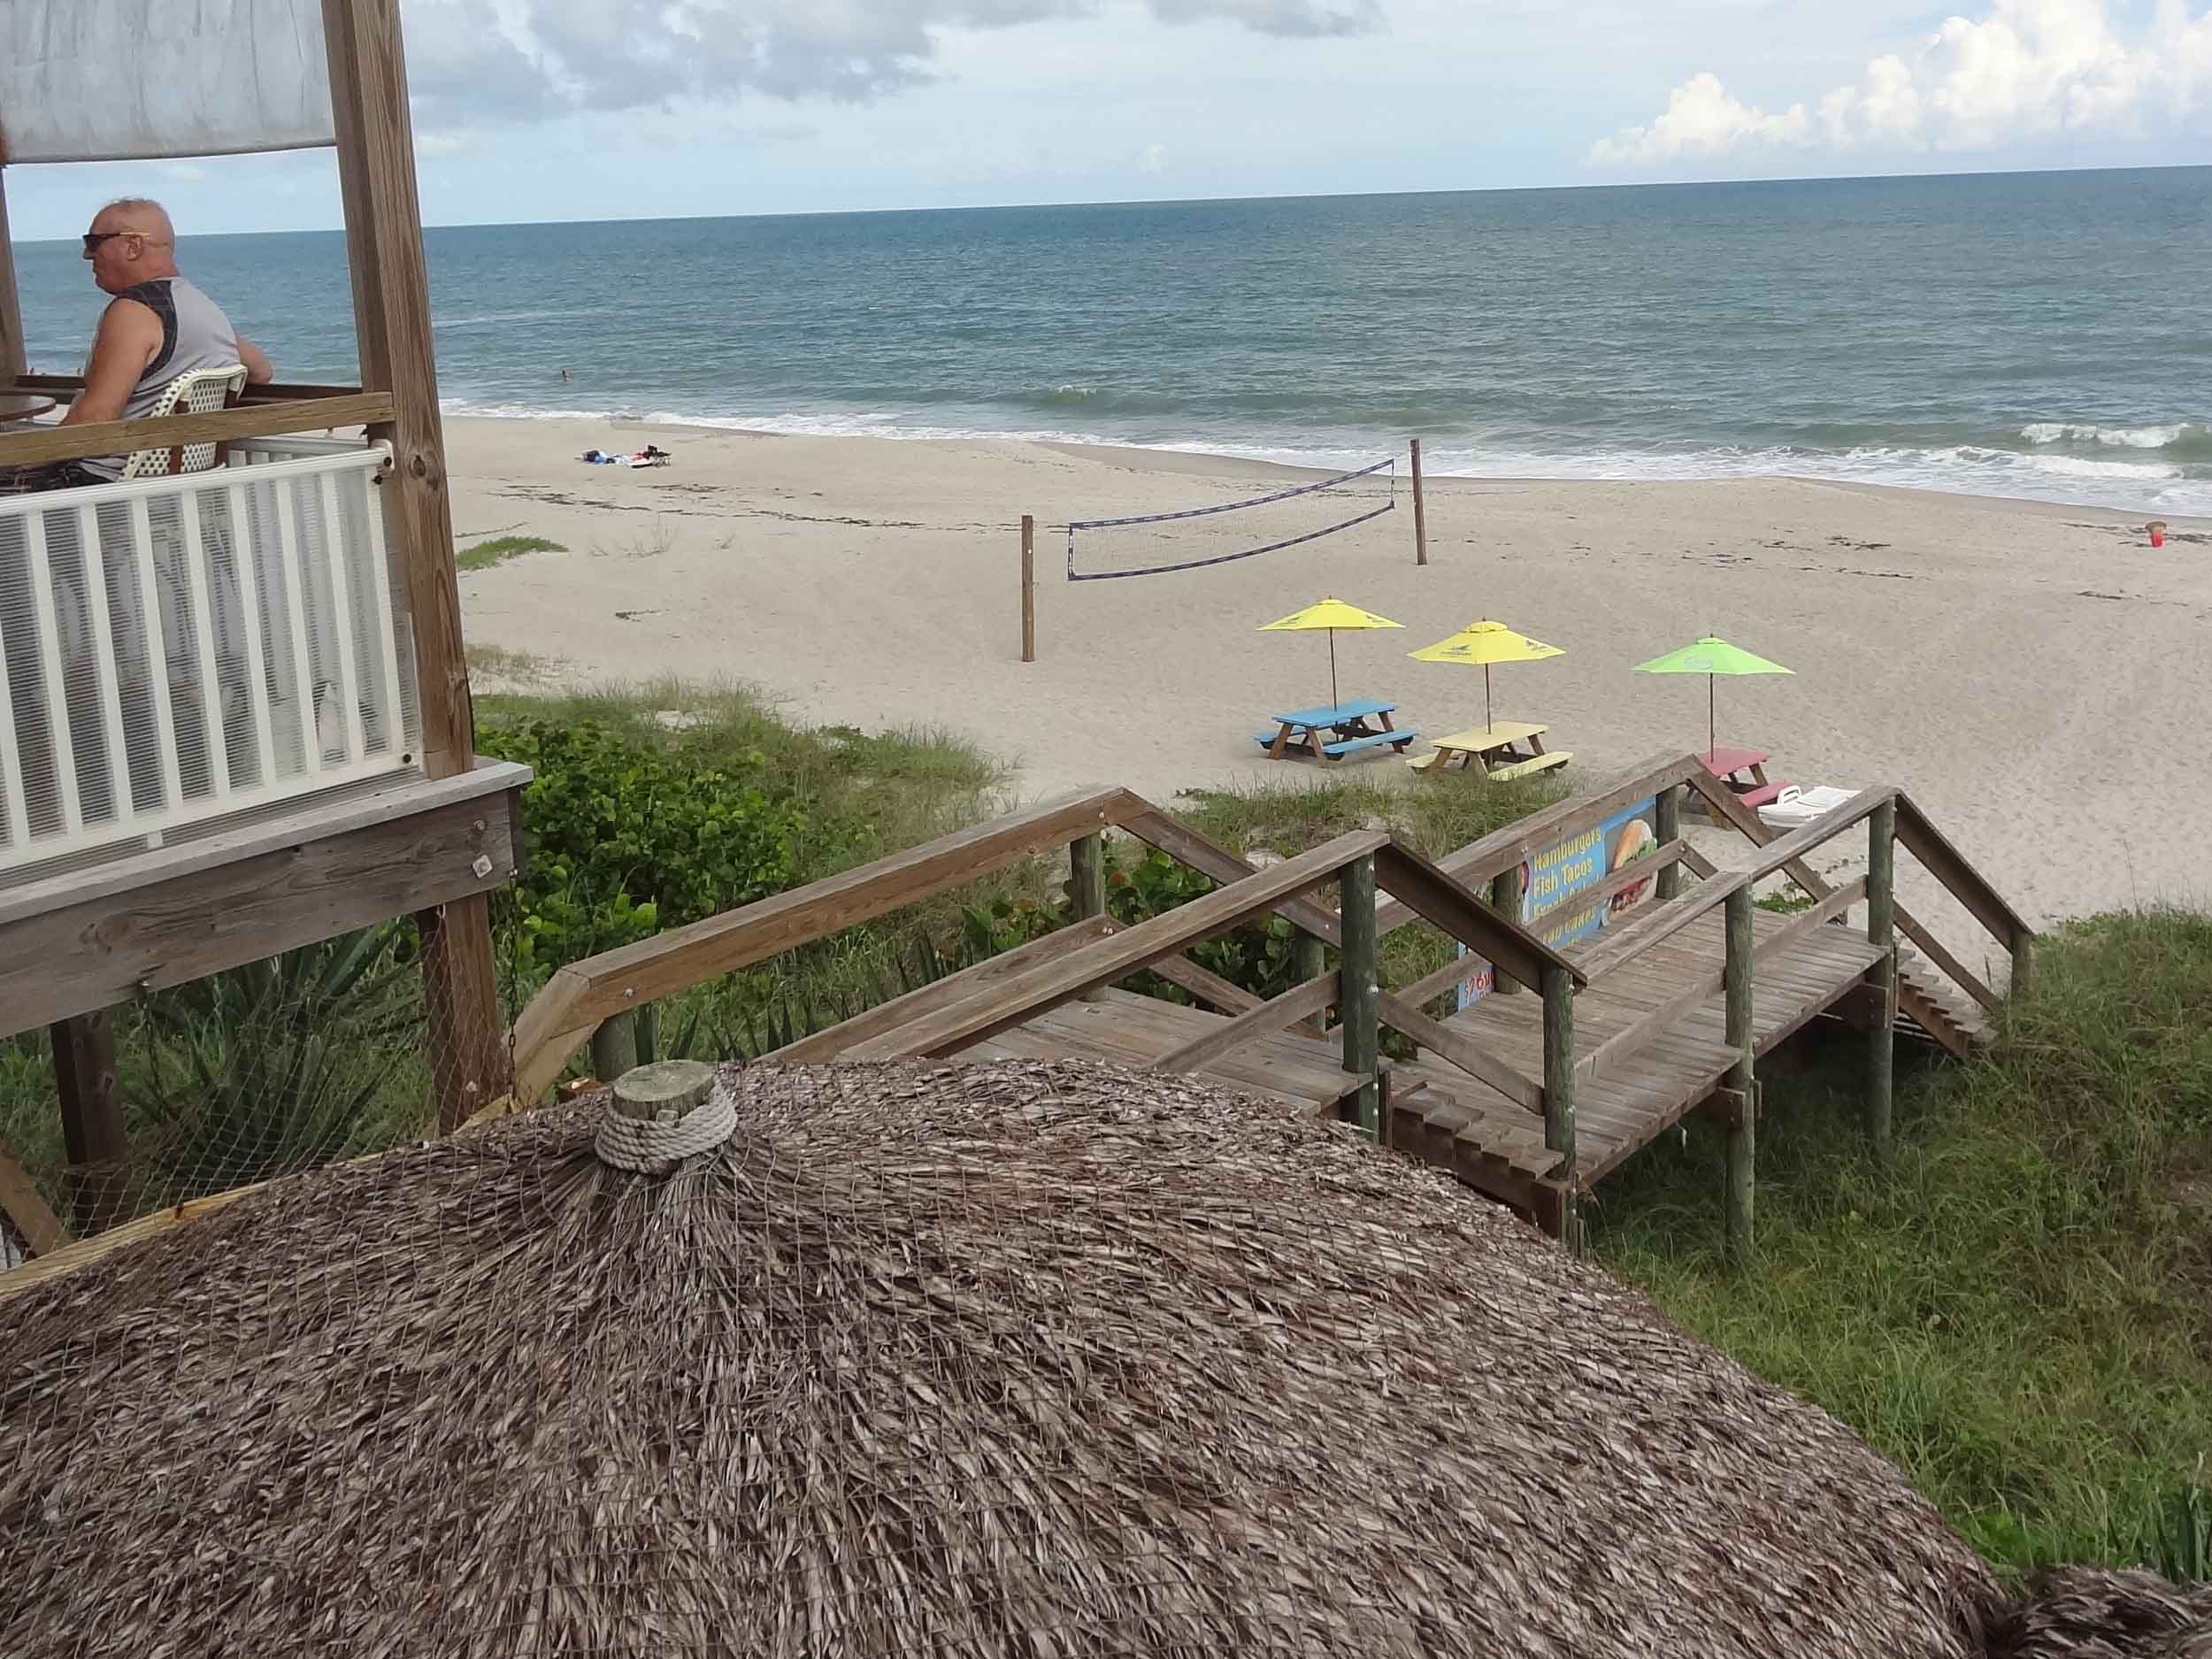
x,y
1451,1134
1945,1014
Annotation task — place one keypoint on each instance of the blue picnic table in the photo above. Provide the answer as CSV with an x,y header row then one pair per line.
x,y
1332,732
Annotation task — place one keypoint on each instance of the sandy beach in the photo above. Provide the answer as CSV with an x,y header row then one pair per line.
x,y
2035,675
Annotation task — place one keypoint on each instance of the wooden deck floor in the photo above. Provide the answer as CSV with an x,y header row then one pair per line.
x,y
1446,1117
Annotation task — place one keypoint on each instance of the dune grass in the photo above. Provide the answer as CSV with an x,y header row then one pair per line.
x,y
2020,1310
499,549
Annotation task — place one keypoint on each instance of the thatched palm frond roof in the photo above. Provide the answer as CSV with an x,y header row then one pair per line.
x,y
1033,1359
2088,1613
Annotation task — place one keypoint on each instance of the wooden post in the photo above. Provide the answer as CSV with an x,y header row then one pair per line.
x,y
1029,588
1358,995
1086,884
1670,827
1743,1130
12,361
646,1034
2023,964
1505,898
667,1094
614,1046
391,312
1559,1085
1308,961
1420,511
1881,931
91,1122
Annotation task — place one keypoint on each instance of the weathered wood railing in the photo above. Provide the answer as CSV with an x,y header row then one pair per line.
x,y
1093,953
1944,861
37,446
1383,887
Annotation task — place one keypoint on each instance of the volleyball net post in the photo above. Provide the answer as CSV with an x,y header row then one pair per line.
x,y
1420,511
1029,587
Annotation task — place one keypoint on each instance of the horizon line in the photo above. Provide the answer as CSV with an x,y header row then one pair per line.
x,y
1200,201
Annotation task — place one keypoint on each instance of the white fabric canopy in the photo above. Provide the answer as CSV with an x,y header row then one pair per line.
x,y
135,80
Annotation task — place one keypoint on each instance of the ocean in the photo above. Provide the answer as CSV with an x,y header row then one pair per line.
x,y
2031,334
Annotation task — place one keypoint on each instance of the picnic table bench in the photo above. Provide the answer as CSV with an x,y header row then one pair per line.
x,y
1745,773
1496,751
1330,733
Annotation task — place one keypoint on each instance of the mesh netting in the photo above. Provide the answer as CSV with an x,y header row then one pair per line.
x,y
313,1057
1019,1359
1225,531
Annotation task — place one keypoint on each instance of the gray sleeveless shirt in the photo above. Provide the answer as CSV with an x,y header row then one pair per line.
x,y
194,334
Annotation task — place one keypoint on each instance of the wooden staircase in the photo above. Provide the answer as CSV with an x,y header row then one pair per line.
x,y
1927,1006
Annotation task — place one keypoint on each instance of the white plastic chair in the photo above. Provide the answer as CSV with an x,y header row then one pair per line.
x,y
199,392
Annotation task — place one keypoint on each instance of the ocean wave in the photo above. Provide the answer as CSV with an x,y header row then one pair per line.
x,y
2117,437
467,407
1958,469
2076,466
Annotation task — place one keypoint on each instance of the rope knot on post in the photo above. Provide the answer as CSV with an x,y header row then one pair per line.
x,y
659,1115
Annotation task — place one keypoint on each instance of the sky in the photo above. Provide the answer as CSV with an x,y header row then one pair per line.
x,y
532,111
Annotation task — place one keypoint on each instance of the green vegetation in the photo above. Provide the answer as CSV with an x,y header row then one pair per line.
x,y
661,804
2020,1312
651,807
499,549
497,662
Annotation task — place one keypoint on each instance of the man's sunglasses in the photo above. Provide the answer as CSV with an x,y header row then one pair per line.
x,y
94,238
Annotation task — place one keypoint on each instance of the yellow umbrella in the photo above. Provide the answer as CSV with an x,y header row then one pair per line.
x,y
1329,614
1486,642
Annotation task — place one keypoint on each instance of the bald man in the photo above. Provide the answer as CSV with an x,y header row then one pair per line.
x,y
156,327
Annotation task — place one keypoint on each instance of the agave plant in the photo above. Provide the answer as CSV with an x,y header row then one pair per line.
x,y
282,1064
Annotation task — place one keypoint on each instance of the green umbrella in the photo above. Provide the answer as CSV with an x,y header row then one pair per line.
x,y
1712,657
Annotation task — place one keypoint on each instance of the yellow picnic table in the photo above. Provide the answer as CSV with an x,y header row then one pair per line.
x,y
1496,750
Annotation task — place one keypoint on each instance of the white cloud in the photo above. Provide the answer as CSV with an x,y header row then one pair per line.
x,y
1153,160
1701,119
469,58
2026,69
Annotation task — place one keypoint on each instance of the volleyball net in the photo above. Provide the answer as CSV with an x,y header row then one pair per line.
x,y
1168,543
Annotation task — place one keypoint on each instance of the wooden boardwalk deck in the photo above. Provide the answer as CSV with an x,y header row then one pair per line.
x,y
1529,1097
1446,1117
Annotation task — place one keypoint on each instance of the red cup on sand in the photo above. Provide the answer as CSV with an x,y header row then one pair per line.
x,y
2157,527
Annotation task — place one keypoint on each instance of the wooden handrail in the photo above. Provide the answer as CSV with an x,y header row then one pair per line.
x,y
66,387
1051,983
1967,980
21,1204
1456,1046
1966,884
846,1033
1483,861
1436,898
1625,1046
42,445
561,1018
1936,854
1136,816
1278,1014
1620,946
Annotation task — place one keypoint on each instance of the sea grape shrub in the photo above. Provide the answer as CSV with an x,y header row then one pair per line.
x,y
625,838
1255,957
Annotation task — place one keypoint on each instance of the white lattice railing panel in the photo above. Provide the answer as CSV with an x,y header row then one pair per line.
x,y
178,650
